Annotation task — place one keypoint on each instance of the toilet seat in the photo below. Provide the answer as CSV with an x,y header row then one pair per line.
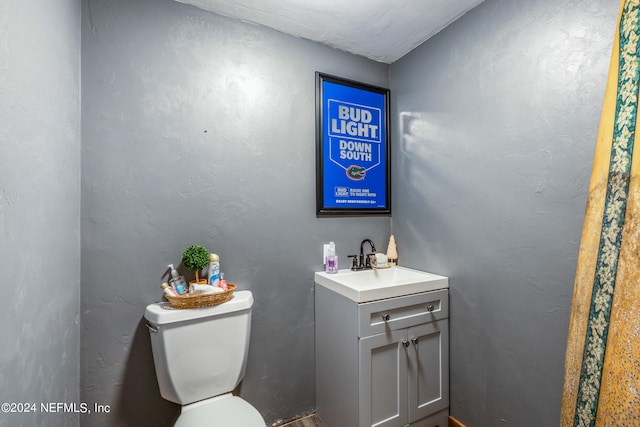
x,y
226,410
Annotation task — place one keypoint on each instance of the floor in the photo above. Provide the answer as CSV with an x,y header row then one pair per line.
x,y
309,421
314,421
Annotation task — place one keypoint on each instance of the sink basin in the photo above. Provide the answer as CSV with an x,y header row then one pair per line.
x,y
370,285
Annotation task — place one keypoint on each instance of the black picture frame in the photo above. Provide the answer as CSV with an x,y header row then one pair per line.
x,y
353,150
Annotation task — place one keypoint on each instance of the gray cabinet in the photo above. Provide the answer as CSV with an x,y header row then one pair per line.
x,y
382,363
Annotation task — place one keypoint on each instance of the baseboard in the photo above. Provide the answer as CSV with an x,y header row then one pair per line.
x,y
454,423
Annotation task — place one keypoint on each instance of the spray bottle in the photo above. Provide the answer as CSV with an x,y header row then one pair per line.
x,y
177,282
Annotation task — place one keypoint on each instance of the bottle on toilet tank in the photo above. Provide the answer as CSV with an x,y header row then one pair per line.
x,y
223,283
177,282
169,290
214,270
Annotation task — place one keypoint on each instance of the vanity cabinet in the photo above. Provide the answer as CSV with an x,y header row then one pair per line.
x,y
382,363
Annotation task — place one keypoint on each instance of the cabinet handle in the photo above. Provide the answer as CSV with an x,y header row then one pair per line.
x,y
414,341
431,307
386,317
405,343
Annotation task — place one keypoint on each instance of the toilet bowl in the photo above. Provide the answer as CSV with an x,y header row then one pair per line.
x,y
224,411
200,356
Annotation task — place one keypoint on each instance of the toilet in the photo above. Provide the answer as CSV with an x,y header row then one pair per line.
x,y
200,355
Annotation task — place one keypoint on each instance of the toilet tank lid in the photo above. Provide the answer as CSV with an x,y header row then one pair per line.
x,y
161,313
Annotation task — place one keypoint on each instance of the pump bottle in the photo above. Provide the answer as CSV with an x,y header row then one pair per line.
x,y
331,263
177,282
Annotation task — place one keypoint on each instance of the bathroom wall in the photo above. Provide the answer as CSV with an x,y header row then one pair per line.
x,y
199,129
40,208
496,127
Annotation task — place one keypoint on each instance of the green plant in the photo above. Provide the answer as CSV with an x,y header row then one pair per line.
x,y
195,258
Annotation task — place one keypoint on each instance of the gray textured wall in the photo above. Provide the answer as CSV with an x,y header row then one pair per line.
x,y
496,127
199,129
40,207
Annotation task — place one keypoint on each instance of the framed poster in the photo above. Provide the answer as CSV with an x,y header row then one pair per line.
x,y
352,148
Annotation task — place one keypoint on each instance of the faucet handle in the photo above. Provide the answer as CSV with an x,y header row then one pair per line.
x,y
367,260
354,264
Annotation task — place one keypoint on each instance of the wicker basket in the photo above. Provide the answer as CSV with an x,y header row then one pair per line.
x,y
201,300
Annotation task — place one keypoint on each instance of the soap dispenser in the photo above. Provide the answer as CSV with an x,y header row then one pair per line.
x,y
177,282
331,263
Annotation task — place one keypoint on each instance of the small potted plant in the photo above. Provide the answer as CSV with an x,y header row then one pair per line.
x,y
196,258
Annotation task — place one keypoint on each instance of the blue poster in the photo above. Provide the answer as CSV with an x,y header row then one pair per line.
x,y
354,151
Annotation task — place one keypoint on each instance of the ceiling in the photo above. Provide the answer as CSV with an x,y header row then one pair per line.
x,y
382,30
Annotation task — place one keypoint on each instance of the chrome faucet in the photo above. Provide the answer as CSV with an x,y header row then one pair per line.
x,y
362,261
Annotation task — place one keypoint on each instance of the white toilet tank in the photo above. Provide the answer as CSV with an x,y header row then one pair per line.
x,y
201,352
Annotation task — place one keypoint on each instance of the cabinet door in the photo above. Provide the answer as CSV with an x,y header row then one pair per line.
x,y
428,368
383,380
